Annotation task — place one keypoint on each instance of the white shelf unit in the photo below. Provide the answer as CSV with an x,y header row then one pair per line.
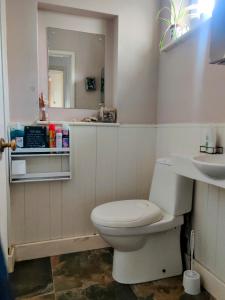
x,y
42,164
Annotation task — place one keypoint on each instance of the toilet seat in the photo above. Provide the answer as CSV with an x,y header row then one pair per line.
x,y
127,214
167,223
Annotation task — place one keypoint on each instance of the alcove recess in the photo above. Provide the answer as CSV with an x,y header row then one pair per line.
x,y
110,23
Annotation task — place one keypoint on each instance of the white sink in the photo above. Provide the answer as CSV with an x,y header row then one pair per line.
x,y
211,165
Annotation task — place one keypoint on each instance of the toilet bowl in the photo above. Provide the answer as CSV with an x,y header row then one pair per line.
x,y
116,222
145,234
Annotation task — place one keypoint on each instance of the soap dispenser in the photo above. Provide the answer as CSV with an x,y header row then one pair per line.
x,y
210,140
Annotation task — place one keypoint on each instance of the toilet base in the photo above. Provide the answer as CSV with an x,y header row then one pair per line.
x,y
159,258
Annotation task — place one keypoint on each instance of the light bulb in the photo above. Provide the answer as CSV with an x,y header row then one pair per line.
x,y
205,7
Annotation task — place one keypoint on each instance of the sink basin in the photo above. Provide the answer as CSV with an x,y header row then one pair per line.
x,y
211,165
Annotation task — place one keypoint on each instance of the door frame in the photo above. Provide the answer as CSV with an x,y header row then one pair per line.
x,y
5,204
72,87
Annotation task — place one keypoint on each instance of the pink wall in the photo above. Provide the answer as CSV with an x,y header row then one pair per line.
x,y
135,92
70,115
73,24
135,76
190,89
21,19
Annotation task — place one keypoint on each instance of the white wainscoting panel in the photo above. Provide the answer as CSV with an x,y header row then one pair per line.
x,y
178,139
126,179
107,149
220,245
146,142
114,163
56,203
108,164
17,217
136,159
79,193
209,223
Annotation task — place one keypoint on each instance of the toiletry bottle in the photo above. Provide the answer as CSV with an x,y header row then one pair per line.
x,y
17,133
65,136
52,140
211,140
43,114
207,140
58,137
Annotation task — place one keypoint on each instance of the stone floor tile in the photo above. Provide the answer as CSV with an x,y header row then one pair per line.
x,y
165,289
75,294
203,296
111,291
81,270
32,278
45,297
88,276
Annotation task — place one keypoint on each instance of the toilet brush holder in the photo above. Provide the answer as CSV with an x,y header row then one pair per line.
x,y
191,283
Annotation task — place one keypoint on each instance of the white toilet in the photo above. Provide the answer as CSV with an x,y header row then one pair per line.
x,y
145,234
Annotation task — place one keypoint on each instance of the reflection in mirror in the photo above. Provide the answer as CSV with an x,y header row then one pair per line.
x,y
76,64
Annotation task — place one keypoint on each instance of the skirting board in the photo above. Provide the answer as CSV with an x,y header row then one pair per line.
x,y
58,247
11,260
210,282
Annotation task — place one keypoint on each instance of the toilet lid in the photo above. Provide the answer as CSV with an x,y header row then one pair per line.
x,y
126,213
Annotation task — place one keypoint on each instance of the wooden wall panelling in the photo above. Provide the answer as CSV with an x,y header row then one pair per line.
x,y
107,146
126,178
17,217
146,140
37,212
212,226
78,195
200,223
56,202
108,163
220,246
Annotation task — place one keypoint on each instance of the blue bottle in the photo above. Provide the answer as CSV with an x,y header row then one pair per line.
x,y
17,133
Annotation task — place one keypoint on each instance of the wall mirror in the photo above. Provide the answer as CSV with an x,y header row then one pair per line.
x,y
76,69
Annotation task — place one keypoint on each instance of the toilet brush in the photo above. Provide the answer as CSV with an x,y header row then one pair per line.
x,y
192,246
191,279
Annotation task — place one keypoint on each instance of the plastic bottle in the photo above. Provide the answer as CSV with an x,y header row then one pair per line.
x,y
212,139
58,138
65,136
52,136
17,133
210,142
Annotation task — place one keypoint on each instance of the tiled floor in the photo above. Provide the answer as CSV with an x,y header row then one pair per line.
x,y
87,276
